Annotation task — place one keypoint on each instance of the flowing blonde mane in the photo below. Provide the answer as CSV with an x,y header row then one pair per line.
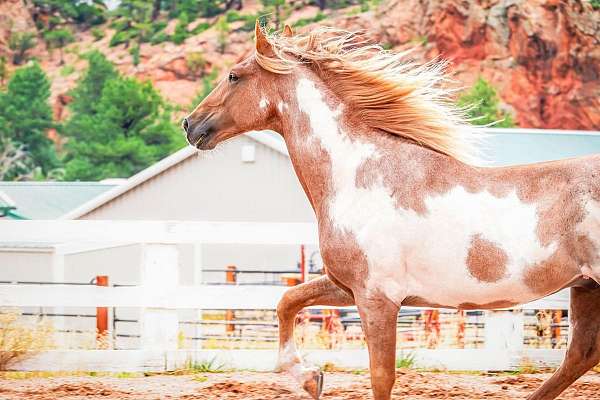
x,y
388,92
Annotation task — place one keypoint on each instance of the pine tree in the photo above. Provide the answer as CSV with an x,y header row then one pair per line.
x,y
26,117
118,126
20,43
58,39
89,88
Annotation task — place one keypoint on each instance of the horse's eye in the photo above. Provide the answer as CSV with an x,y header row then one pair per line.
x,y
233,77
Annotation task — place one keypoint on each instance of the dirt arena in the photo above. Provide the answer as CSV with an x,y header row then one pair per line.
x,y
410,384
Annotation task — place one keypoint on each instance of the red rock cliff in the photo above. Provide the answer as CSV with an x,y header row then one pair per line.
x,y
542,55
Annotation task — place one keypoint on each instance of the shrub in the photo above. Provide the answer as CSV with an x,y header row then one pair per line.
x,y
201,27
233,16
159,37
59,38
195,62
482,106
222,33
406,360
119,38
135,54
3,70
67,70
181,33
19,341
20,43
97,33
307,21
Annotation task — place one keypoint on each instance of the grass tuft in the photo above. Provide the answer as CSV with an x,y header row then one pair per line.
x,y
406,360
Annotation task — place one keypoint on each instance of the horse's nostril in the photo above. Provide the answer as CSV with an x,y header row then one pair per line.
x,y
185,124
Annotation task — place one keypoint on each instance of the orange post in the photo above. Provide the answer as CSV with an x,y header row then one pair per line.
x,y
303,272
231,278
101,317
460,334
556,319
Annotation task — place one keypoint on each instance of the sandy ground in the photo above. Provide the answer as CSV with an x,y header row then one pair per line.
x,y
410,384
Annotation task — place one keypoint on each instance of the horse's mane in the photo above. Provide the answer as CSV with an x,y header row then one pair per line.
x,y
388,92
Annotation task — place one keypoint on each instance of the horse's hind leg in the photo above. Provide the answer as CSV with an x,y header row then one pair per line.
x,y
323,292
583,352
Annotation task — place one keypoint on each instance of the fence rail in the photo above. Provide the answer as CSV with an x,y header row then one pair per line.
x,y
159,295
209,297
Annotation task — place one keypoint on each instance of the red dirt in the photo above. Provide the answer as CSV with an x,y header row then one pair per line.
x,y
411,385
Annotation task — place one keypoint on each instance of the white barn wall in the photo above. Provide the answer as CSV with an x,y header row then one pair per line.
x,y
217,186
25,266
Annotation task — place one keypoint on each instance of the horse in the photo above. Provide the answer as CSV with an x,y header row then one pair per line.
x,y
406,216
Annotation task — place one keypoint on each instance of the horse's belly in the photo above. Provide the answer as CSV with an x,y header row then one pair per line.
x,y
470,248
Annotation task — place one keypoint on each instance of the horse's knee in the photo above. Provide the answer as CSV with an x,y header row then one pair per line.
x,y
585,357
286,304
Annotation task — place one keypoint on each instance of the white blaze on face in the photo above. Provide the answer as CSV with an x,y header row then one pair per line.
x,y
263,103
590,227
422,255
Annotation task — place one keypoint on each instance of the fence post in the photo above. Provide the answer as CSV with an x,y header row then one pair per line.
x,y
102,318
159,275
198,331
504,333
231,278
303,269
58,276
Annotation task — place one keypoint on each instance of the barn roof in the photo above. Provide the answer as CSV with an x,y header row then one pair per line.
x,y
268,139
46,200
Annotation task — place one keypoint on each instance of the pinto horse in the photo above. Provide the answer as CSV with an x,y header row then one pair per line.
x,y
404,216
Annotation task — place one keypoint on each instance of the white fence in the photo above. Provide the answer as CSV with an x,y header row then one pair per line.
x,y
159,295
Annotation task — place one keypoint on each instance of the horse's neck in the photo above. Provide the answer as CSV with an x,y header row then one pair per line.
x,y
341,160
333,152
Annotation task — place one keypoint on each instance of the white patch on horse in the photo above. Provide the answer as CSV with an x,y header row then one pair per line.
x,y
290,361
411,254
281,106
263,103
590,227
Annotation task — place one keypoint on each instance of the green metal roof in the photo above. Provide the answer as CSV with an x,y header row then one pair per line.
x,y
46,200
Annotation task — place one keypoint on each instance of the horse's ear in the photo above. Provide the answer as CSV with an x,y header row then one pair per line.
x,y
263,47
287,31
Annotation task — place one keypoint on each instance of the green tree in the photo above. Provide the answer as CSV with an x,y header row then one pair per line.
x,y
89,88
222,27
3,70
20,43
127,128
181,33
278,9
59,38
482,105
82,12
26,116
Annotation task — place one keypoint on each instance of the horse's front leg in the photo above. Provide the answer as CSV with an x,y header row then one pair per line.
x,y
379,317
322,292
583,352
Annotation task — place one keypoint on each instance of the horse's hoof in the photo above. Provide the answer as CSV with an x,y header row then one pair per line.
x,y
314,385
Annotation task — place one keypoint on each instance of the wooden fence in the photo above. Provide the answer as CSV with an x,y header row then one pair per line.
x,y
159,295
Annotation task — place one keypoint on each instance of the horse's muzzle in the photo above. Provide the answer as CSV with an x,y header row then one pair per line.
x,y
198,134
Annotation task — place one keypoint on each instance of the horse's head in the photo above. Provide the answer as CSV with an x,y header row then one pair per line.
x,y
243,101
